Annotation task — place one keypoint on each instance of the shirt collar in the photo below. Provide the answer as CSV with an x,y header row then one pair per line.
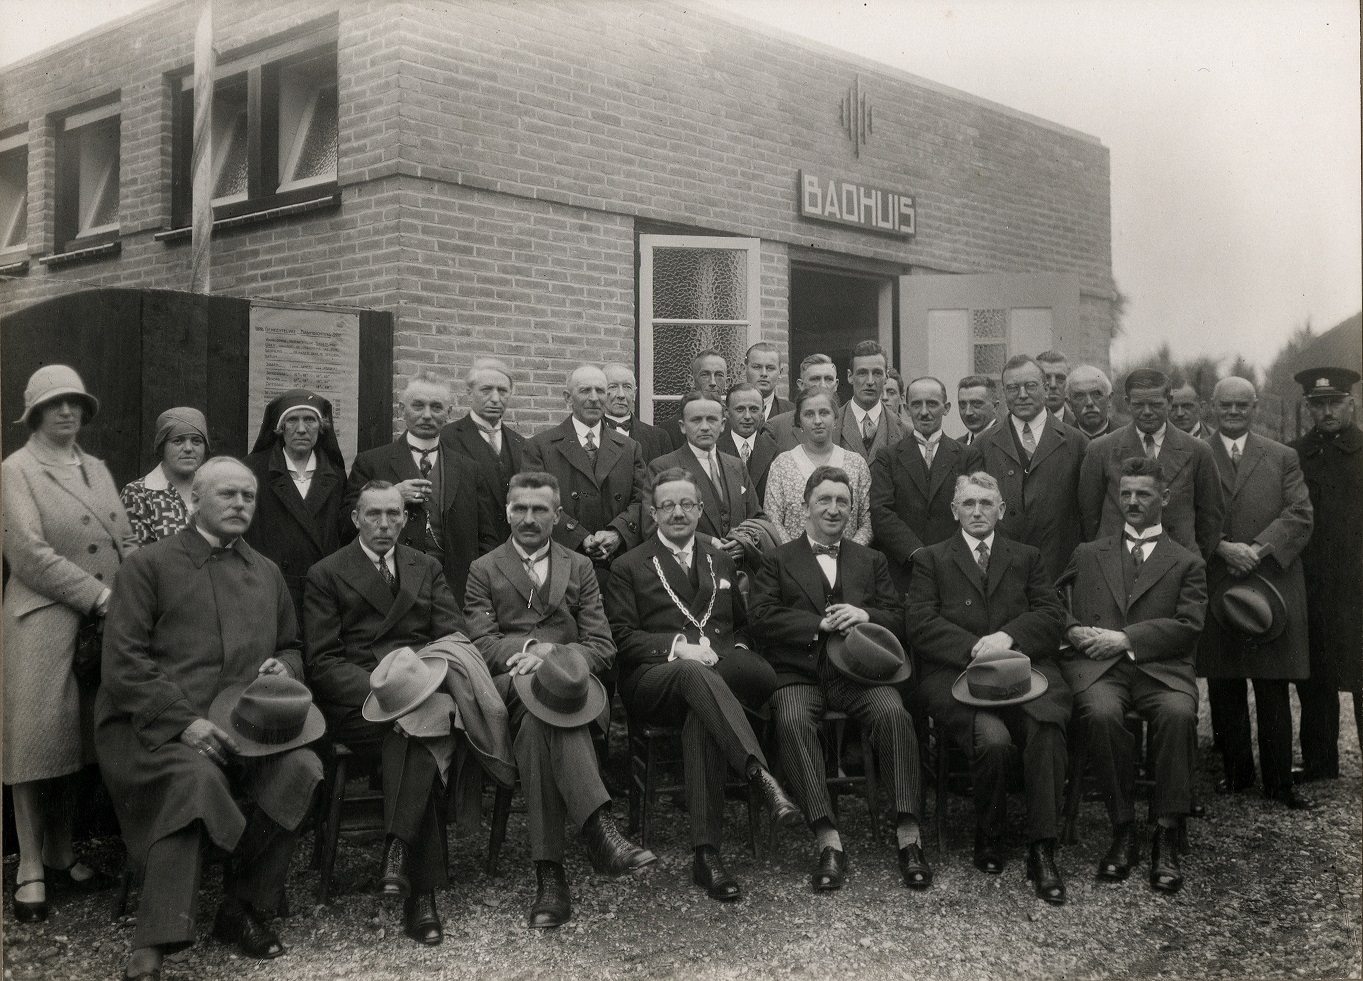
x,y
543,552
483,424
936,437
374,556
582,429
1229,443
690,546
767,404
972,543
1158,434
1038,424
619,420
209,537
310,468
418,443
1149,535
874,412
702,455
156,479
740,440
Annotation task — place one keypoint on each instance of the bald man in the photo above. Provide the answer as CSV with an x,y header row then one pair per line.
x,y
601,473
483,436
621,389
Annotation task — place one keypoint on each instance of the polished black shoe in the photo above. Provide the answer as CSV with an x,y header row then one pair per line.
x,y
61,880
553,902
773,799
1309,774
26,911
709,873
150,969
611,852
1042,870
235,924
1289,799
150,974
421,920
1165,875
831,871
988,853
393,879
1229,785
1197,809
914,868
1115,866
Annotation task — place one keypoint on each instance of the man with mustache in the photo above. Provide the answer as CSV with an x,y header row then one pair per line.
x,y
1089,394
977,401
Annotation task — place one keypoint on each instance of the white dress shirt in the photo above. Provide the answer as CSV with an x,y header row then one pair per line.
x,y
935,441
1038,425
973,543
302,479
539,561
375,559
416,444
1159,438
827,563
742,441
583,429
860,414
1147,537
492,435
1234,445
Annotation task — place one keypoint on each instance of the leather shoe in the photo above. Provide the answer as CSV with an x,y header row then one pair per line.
x,y
709,873
553,902
611,852
914,868
1228,785
235,924
393,879
421,920
1308,774
151,970
1042,870
988,853
26,911
150,974
1115,866
770,795
1197,809
1289,799
831,871
61,880
1164,871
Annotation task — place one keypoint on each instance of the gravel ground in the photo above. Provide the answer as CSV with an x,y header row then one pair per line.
x,y
1269,894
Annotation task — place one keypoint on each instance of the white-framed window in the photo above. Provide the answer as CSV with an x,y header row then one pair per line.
x,y
13,193
695,292
88,174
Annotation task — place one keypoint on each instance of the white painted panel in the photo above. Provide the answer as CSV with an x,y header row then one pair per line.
x,y
948,356
1031,330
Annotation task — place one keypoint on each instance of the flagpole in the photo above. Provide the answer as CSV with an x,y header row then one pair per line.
x,y
201,232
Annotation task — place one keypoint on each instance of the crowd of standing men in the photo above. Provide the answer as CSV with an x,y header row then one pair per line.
x,y
464,603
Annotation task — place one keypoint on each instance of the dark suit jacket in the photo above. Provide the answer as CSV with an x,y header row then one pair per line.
x,y
467,528
1042,496
1267,503
594,498
781,429
653,440
847,433
291,531
911,507
716,519
1162,616
759,460
950,607
462,437
1196,505
788,601
644,619
351,621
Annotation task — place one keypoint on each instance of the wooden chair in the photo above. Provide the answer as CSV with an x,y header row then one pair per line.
x,y
834,731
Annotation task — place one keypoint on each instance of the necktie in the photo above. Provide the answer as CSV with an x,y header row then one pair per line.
x,y
591,447
494,440
1137,551
1235,455
424,464
683,560
1150,445
868,432
529,564
826,549
717,476
388,576
982,558
929,449
1028,440
744,451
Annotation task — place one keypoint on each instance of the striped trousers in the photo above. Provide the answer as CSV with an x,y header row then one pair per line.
x,y
798,709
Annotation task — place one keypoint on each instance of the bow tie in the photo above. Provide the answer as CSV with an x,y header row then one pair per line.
x,y
826,549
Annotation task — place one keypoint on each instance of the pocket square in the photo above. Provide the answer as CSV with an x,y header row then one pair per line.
x,y
723,584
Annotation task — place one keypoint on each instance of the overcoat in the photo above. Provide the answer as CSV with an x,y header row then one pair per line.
x,y
1041,494
653,440
1267,504
494,473
289,530
759,460
185,621
717,518
910,505
65,534
1333,558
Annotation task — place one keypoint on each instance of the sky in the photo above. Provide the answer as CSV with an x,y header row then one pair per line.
x,y
1233,128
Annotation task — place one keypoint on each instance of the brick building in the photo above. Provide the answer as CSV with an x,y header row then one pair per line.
x,y
556,182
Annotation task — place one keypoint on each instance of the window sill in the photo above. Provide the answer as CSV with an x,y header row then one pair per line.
x,y
16,268
89,254
264,215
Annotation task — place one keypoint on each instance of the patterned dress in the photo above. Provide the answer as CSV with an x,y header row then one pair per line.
x,y
154,507
785,503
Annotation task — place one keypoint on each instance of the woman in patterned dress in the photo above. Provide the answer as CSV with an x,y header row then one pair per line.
x,y
159,504
816,415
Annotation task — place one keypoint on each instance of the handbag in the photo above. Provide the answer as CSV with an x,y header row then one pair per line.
x,y
89,650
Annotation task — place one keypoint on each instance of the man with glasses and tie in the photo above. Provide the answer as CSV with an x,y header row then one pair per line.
x,y
446,518
726,488
1196,504
600,473
1036,460
681,630
912,482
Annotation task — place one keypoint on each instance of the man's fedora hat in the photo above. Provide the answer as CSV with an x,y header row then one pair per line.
x,y
269,714
1251,607
869,653
1320,382
52,381
562,691
400,683
997,679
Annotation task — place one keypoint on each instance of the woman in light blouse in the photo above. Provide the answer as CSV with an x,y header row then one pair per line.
x,y
816,415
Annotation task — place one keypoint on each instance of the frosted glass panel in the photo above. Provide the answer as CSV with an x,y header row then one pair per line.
x,y
675,345
989,324
700,284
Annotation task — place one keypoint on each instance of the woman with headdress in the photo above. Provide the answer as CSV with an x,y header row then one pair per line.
x,y
159,503
300,475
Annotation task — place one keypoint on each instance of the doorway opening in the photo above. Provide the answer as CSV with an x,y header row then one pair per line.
x,y
831,311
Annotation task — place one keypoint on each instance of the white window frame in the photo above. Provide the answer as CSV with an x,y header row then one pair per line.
x,y
648,324
111,168
8,220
